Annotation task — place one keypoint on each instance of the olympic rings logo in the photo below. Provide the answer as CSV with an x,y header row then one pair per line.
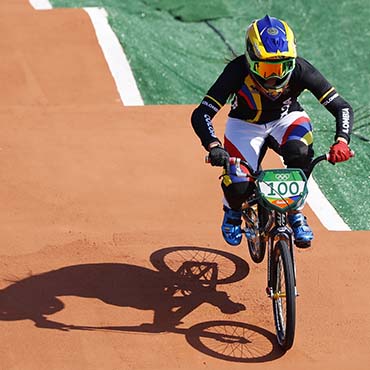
x,y
282,176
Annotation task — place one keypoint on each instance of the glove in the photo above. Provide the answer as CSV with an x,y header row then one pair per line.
x,y
339,152
218,156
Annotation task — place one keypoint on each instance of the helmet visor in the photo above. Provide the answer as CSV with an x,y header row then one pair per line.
x,y
269,69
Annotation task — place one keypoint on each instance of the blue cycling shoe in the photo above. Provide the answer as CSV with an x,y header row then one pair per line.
x,y
231,226
302,232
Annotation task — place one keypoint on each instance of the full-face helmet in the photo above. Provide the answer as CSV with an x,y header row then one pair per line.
x,y
270,53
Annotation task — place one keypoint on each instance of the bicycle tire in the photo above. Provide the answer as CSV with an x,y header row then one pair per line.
x,y
257,245
283,294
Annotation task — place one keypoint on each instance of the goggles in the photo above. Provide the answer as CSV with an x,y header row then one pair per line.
x,y
269,69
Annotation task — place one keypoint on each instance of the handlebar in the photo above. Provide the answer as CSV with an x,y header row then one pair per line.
x,y
254,174
324,157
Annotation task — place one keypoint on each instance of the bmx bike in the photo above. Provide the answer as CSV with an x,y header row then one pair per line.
x,y
265,216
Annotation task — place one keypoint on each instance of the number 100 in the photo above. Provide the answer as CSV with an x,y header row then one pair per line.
x,y
283,188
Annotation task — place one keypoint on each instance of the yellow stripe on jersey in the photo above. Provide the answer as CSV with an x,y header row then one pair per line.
x,y
251,85
214,100
326,94
308,138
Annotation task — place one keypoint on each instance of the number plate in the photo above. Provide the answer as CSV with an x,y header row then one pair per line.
x,y
282,189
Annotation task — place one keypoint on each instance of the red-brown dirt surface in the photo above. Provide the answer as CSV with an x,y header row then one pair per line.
x,y
99,201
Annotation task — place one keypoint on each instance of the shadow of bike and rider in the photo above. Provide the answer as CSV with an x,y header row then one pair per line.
x,y
186,277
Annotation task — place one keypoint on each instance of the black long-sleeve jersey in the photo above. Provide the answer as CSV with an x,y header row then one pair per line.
x,y
250,104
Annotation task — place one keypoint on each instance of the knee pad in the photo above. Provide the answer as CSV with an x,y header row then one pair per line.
x,y
237,193
236,187
297,154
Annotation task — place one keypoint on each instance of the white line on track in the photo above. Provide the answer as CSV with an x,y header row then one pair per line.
x,y
323,209
115,57
41,4
130,95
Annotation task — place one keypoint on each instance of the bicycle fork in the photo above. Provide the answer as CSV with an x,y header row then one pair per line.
x,y
279,232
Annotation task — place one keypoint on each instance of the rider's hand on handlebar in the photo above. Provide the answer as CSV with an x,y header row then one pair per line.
x,y
339,152
218,156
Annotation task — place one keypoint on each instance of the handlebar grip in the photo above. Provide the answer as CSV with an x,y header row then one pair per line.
x,y
232,160
352,154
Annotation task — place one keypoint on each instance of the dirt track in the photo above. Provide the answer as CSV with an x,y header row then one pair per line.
x,y
97,199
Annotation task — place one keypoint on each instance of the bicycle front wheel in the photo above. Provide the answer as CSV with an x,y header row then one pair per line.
x,y
283,294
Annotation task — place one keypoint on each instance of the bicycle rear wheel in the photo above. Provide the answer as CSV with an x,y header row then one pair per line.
x,y
255,220
283,294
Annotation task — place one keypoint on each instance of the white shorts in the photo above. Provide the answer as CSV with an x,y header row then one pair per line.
x,y
245,140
